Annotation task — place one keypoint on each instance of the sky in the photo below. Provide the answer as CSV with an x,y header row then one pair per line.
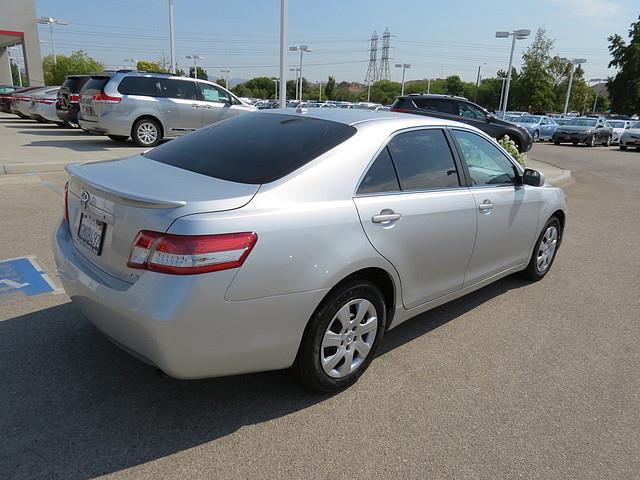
x,y
438,38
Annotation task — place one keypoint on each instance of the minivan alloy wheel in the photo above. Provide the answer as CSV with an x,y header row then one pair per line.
x,y
349,337
547,249
147,132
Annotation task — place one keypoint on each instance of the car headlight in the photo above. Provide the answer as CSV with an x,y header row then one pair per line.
x,y
586,131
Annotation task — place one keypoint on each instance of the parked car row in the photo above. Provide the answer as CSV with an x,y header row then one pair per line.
x,y
146,107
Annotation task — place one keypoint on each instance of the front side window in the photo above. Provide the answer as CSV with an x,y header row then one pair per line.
x,y
486,163
212,94
181,89
381,176
423,160
470,111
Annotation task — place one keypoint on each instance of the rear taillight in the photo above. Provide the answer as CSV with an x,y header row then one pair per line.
x,y
396,109
104,98
190,254
46,101
66,202
74,98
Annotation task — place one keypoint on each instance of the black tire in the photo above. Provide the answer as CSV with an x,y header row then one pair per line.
x,y
147,124
608,142
556,142
574,143
307,367
536,136
623,147
591,142
532,272
118,138
64,125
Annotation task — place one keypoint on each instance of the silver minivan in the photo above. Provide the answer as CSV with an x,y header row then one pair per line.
x,y
151,106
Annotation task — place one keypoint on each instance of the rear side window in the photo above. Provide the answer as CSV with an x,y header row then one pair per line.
x,y
424,160
147,86
381,176
441,105
253,148
183,89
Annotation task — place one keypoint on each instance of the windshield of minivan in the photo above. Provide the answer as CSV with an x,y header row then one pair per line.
x,y
582,122
254,148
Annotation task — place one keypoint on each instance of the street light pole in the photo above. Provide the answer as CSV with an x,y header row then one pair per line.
x,y
226,78
283,53
296,70
404,66
275,81
195,65
172,40
501,93
302,49
51,22
132,61
17,65
595,101
573,63
475,97
517,35
428,86
320,92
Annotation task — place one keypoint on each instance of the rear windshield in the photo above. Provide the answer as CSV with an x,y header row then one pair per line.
x,y
96,83
253,148
74,83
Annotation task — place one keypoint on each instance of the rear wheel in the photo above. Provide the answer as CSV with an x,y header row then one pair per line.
x,y
544,253
556,142
607,143
536,136
623,147
146,132
118,138
342,337
591,142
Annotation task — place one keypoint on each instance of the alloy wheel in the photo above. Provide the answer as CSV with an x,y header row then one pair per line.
x,y
349,338
147,133
547,249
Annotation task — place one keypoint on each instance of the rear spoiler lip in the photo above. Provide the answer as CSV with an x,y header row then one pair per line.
x,y
131,198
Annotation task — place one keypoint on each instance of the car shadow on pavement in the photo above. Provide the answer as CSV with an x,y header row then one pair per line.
x,y
75,406
96,143
54,132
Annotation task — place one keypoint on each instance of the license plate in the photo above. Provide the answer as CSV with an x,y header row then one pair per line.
x,y
91,233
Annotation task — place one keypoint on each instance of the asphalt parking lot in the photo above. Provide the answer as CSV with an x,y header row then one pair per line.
x,y
516,380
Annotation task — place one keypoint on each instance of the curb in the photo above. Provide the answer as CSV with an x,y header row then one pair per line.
x,y
39,167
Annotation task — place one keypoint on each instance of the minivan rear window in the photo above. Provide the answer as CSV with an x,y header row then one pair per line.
x,y
96,83
74,83
253,148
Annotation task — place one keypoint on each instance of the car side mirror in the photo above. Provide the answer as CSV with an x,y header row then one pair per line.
x,y
599,126
533,178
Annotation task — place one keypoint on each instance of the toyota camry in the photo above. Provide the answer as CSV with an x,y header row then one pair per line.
x,y
283,239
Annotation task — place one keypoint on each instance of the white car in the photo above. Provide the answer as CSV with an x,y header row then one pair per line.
x,y
631,137
619,126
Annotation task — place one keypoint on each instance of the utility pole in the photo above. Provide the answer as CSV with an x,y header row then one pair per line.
x,y
475,96
385,72
226,78
51,22
172,40
404,66
573,63
320,92
428,86
372,71
517,35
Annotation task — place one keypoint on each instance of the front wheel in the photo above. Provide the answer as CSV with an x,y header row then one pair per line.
x,y
536,136
545,250
608,142
556,142
146,132
623,147
591,142
342,337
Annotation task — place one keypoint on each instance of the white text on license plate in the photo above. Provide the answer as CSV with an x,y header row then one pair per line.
x,y
90,233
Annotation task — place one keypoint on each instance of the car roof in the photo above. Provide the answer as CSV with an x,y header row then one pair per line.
x,y
355,116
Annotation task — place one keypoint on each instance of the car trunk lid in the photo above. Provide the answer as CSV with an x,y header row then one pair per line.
x,y
110,202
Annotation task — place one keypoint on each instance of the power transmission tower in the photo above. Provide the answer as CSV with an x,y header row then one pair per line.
x,y
385,72
372,71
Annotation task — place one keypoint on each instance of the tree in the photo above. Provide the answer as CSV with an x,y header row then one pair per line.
x,y
15,77
202,73
454,85
153,67
536,85
330,87
624,88
261,87
384,91
78,63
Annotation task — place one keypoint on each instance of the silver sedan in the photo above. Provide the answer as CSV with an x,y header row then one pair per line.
x,y
285,239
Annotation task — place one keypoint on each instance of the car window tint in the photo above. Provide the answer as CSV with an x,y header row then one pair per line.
x,y
254,148
147,86
423,160
469,111
182,89
381,176
486,163
213,94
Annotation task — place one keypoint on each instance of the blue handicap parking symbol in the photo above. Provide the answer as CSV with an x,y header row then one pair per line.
x,y
23,276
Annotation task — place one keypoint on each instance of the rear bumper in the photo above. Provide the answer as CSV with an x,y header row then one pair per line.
x,y
183,324
105,126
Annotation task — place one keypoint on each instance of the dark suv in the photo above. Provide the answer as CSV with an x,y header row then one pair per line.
x,y
462,110
68,101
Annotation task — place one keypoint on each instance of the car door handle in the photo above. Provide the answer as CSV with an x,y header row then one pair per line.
x,y
195,105
386,216
485,206
208,107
